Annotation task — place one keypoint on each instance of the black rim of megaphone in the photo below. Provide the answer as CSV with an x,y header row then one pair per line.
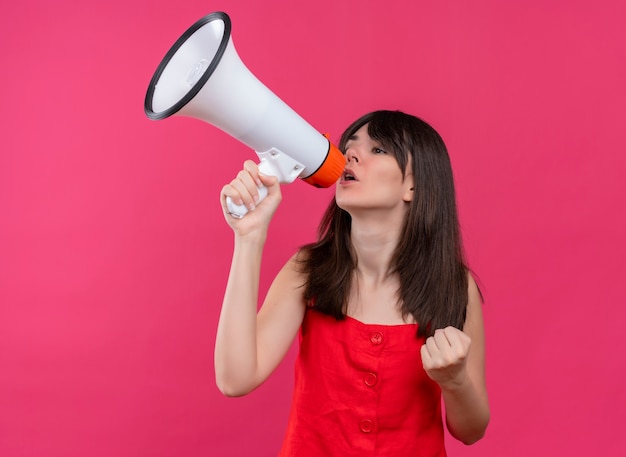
x,y
205,76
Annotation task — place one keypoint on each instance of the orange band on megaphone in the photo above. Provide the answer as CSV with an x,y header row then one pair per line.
x,y
330,170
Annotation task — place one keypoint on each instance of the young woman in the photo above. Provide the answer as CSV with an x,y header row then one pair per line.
x,y
388,315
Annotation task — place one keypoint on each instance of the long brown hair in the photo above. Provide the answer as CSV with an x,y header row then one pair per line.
x,y
428,259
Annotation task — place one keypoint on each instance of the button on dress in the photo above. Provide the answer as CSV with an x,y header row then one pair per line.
x,y
361,390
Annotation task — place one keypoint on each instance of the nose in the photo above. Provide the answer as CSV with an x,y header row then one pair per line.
x,y
351,155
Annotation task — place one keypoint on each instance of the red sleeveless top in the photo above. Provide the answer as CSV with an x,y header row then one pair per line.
x,y
361,390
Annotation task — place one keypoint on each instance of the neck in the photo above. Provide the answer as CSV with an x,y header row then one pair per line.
x,y
374,241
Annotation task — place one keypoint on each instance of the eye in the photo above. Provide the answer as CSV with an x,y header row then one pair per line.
x,y
379,151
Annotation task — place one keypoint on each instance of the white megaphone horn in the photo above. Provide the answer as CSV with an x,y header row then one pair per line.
x,y
202,77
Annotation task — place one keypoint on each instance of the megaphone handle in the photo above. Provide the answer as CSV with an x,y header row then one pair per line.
x,y
239,211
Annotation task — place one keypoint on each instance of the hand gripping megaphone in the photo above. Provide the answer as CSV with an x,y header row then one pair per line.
x,y
202,76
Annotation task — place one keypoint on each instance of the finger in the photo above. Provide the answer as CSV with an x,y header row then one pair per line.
x,y
268,180
248,189
446,354
253,169
459,341
233,192
441,339
426,358
432,347
229,192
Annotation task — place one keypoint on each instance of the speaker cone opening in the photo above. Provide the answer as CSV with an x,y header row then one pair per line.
x,y
187,66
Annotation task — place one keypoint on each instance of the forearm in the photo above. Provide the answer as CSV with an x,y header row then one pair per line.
x,y
467,411
236,343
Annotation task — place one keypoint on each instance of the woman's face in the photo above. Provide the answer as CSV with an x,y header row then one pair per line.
x,y
372,179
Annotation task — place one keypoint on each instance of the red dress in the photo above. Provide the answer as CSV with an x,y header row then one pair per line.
x,y
361,390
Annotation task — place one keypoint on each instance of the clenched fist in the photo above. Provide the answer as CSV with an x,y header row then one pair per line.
x,y
444,356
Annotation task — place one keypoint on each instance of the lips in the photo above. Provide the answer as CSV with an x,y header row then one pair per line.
x,y
348,175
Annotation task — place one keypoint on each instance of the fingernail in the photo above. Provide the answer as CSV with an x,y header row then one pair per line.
x,y
251,207
257,199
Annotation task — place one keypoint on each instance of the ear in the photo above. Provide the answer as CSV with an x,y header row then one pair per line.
x,y
409,190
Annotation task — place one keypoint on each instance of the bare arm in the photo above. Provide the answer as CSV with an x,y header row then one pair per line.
x,y
456,361
249,345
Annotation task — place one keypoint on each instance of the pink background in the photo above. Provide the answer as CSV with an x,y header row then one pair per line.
x,y
114,254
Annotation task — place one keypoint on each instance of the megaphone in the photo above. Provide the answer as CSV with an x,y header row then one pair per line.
x,y
202,77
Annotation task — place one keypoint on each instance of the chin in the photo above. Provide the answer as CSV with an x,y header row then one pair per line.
x,y
347,205
342,203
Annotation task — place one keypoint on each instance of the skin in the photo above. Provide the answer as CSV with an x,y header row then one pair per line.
x,y
250,345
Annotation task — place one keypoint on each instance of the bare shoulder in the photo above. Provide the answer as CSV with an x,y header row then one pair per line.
x,y
473,290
